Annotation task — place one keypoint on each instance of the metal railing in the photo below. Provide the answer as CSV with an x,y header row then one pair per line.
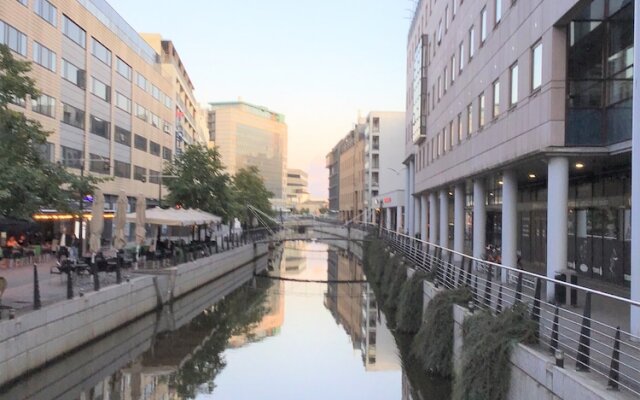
x,y
592,331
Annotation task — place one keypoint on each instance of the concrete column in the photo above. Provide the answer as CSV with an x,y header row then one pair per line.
x,y
407,199
557,215
433,218
509,220
444,218
387,215
416,215
635,183
412,205
479,219
423,217
458,220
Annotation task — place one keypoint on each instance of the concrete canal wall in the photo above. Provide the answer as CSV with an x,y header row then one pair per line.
x,y
534,375
36,338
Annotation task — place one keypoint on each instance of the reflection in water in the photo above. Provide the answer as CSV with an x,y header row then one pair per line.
x,y
269,339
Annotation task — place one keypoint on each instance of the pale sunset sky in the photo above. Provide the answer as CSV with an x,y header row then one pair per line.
x,y
319,63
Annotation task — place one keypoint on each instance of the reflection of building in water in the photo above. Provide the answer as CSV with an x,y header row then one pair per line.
x,y
378,344
331,297
270,323
344,299
294,257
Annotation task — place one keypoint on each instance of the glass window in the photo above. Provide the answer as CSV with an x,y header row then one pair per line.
x,y
99,164
154,176
122,169
536,66
454,7
496,99
166,153
155,120
139,173
513,85
101,90
24,2
483,25
71,158
453,69
74,32
498,11
123,68
472,42
46,11
44,105
446,18
469,119
451,134
141,81
459,121
123,102
72,116
18,101
47,151
43,56
142,112
167,102
100,127
481,111
13,38
123,136
101,52
155,92
154,148
166,127
140,142
461,66
446,80
74,74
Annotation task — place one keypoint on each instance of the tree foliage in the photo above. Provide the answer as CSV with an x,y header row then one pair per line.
x,y
28,181
197,179
249,189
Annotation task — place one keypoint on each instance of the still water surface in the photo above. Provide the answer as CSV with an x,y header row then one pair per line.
x,y
269,339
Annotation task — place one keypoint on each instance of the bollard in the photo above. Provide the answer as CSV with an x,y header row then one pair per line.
x,y
69,285
96,278
614,371
554,331
559,356
37,304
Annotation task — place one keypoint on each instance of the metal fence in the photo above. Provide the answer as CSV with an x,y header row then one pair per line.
x,y
588,328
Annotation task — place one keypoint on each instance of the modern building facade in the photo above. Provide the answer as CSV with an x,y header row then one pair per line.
x,y
297,187
518,132
333,165
351,177
250,135
383,131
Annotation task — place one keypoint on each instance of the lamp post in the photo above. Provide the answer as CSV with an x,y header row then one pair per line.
x,y
160,177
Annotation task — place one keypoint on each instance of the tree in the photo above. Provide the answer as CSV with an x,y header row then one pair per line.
x,y
200,181
249,189
28,181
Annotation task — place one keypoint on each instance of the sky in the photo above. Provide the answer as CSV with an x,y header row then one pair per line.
x,y
320,63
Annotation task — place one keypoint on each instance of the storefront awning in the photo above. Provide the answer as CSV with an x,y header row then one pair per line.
x,y
176,217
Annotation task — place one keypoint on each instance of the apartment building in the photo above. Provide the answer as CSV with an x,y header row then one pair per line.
x,y
104,96
332,163
351,178
383,186
250,135
297,187
518,132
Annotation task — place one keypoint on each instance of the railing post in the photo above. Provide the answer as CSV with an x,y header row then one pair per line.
x,y
584,348
37,303
499,302
614,371
519,288
469,273
475,290
535,311
461,273
554,331
487,288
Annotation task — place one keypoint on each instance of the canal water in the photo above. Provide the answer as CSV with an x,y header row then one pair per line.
x,y
311,329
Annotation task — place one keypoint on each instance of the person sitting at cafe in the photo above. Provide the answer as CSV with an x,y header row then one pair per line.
x,y
22,240
12,242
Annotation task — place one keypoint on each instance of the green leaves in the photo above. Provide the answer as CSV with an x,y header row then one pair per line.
x,y
249,189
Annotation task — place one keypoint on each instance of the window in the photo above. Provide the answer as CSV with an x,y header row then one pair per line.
x,y
446,18
451,134
142,112
483,25
155,92
140,142
481,111
453,69
155,120
123,102
536,66
166,127
101,90
100,127
21,102
167,101
101,52
74,74
439,32
44,105
454,7
13,38
498,9
469,119
123,68
123,136
166,153
71,158
46,11
459,127
154,176
438,146
461,66
74,32
47,151
122,169
439,88
496,99
154,148
43,56
141,81
472,42
72,116
513,85
446,80
376,124
24,2
99,164
139,173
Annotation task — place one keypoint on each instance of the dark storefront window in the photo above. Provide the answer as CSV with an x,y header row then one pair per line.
x,y
600,74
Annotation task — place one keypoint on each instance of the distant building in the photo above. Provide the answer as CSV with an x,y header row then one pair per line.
x,y
351,204
333,165
297,187
249,135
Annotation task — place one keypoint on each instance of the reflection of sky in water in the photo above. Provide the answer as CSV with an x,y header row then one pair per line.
x,y
312,357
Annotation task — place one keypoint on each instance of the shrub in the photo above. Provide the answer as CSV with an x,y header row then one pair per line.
x,y
409,314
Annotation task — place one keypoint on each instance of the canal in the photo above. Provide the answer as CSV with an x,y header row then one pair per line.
x,y
311,329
